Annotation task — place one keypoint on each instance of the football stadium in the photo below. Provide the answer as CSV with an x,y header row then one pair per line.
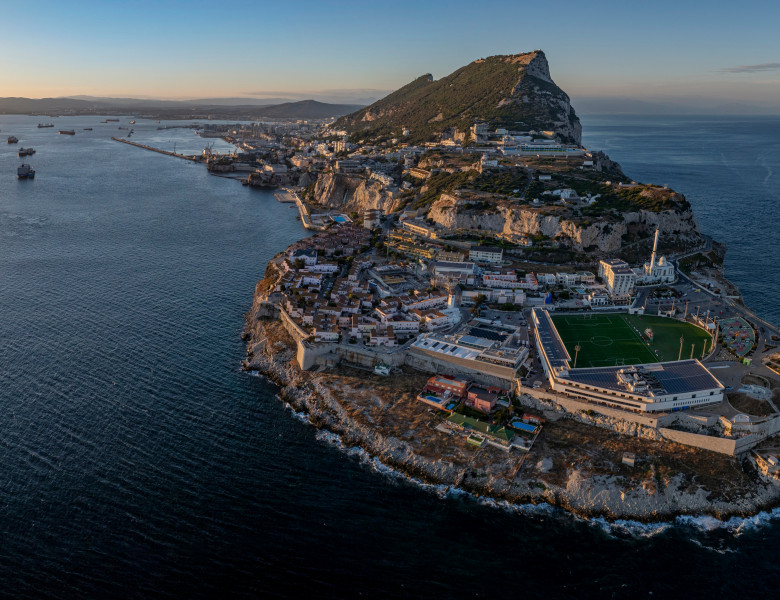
x,y
607,340
631,362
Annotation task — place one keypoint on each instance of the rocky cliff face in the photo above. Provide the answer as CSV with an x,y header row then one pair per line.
x,y
513,91
538,95
607,237
351,193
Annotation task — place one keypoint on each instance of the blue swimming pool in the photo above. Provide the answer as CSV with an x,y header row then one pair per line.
x,y
523,426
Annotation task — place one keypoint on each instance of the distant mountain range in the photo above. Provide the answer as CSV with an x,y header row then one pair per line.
x,y
220,108
511,91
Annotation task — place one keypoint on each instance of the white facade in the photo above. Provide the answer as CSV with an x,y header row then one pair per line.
x,y
618,276
486,254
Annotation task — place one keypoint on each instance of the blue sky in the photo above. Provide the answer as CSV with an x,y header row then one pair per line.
x,y
172,49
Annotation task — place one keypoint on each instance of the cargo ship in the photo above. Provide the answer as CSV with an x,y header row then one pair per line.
x,y
25,152
12,139
25,171
66,132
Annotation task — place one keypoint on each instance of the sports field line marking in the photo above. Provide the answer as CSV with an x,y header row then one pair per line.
x,y
639,337
583,321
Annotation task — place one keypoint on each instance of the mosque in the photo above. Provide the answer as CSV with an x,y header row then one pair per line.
x,y
656,271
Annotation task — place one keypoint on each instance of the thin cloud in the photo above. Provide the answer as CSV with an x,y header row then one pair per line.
x,y
775,66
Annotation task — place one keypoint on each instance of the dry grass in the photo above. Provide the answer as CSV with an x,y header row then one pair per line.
x,y
597,451
751,406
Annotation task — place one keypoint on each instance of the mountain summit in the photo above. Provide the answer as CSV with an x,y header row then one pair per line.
x,y
514,91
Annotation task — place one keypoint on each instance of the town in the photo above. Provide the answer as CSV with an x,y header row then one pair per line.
x,y
493,336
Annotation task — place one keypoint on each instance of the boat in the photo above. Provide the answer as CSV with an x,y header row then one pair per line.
x,y
41,125
66,132
132,122
25,171
25,152
88,129
112,120
12,139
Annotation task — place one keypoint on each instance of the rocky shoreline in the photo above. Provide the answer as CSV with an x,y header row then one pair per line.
x,y
656,497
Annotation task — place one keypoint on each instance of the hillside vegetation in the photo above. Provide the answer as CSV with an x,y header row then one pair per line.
x,y
512,91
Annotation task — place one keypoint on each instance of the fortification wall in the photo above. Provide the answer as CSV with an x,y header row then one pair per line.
x,y
310,355
292,327
428,364
706,442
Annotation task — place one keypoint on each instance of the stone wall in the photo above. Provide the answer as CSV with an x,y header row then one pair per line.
x,y
706,442
428,364
310,355
292,327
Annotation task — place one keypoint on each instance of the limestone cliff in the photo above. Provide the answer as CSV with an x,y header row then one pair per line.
x,y
606,236
351,193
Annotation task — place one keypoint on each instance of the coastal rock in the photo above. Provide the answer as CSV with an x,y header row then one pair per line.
x,y
351,193
606,236
650,498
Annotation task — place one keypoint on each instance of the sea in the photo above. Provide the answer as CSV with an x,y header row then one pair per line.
x,y
138,461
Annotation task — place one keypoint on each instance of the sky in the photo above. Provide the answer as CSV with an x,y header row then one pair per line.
x,y
682,51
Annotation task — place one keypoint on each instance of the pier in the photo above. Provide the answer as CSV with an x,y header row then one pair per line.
x,y
286,195
193,158
304,212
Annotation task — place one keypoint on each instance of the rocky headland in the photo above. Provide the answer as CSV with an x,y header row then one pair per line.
x,y
574,465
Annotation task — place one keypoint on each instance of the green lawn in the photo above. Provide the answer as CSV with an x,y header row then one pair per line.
x,y
619,338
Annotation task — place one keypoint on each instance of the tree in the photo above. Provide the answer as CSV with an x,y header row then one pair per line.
x,y
299,263
478,302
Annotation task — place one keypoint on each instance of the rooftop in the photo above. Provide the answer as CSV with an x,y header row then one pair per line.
x,y
656,379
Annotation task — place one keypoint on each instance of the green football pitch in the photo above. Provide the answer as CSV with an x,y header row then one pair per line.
x,y
620,339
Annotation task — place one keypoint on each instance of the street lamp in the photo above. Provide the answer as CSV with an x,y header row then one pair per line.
x,y
576,353
679,356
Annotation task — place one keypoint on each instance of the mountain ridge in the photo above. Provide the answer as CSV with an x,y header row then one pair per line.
x,y
302,109
514,91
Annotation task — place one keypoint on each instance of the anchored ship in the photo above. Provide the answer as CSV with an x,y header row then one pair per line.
x,y
41,125
25,152
25,171
66,132
12,139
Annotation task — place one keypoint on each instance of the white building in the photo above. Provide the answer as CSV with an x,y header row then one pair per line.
x,y
372,218
307,255
656,270
498,279
618,276
486,254
419,228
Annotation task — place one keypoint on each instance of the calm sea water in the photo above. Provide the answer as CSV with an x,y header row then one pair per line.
x,y
728,168
137,461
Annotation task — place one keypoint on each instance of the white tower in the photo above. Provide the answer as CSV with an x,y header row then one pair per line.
x,y
652,256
